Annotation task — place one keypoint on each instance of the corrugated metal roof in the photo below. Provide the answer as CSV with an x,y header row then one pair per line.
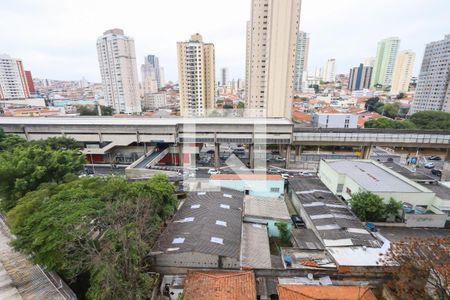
x,y
196,222
255,247
270,208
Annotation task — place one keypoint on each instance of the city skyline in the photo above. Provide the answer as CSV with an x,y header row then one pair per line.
x,y
65,46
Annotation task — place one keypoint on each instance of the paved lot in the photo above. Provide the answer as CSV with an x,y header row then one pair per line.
x,y
395,234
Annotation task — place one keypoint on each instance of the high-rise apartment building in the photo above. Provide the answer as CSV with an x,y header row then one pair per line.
x,y
433,84
30,82
196,76
225,77
359,78
150,73
117,59
383,68
403,71
301,60
162,77
369,62
329,71
271,49
13,82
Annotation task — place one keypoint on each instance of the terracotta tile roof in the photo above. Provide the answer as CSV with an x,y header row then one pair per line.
x,y
220,286
354,109
301,116
366,116
245,177
314,292
328,110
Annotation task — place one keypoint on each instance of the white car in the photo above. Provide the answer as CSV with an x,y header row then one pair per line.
x,y
285,176
279,158
213,172
429,165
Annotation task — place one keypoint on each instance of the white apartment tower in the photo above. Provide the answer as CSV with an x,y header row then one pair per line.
x,y
403,71
225,77
117,59
433,84
271,49
301,60
13,83
150,73
196,76
329,71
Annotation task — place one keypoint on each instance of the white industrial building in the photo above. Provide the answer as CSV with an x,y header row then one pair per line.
x,y
322,120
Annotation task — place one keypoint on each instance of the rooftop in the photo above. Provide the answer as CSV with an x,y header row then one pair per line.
x,y
220,285
414,176
270,208
255,251
207,222
317,292
306,239
307,259
371,176
333,220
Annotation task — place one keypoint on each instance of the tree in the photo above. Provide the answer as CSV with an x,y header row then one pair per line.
x,y
284,231
431,120
23,169
401,95
106,110
241,105
422,268
388,123
367,206
392,207
389,110
372,104
9,141
59,143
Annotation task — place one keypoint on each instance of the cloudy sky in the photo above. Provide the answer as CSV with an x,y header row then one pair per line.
x,y
56,38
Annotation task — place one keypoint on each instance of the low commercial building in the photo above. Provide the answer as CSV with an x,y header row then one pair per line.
x,y
204,233
219,285
154,101
347,177
324,120
267,211
252,184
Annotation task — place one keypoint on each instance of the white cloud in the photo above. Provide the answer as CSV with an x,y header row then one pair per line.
x,y
56,38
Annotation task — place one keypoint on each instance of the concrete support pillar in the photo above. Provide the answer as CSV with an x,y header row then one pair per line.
x,y
217,155
447,155
180,155
251,156
367,151
280,148
288,156
298,151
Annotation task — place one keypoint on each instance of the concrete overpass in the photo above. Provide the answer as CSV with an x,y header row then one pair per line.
x,y
101,135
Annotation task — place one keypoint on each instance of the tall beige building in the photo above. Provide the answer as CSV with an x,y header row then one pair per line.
x,y
196,76
403,69
117,59
271,50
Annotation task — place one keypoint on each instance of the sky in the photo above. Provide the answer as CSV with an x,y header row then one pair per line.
x,y
56,39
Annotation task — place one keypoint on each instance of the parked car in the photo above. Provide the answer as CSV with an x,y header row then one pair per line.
x,y
436,172
429,165
279,158
213,171
285,176
273,171
298,221
434,158
210,151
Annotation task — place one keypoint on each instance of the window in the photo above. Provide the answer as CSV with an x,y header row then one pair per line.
x,y
274,190
178,240
225,206
221,223
216,240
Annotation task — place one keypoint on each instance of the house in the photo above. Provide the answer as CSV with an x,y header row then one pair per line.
x,y
267,211
206,285
255,247
205,232
252,184
318,292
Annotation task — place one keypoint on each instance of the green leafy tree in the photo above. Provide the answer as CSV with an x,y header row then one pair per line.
x,y
389,110
23,169
372,104
241,105
367,206
107,110
401,95
59,143
388,123
393,207
431,120
284,231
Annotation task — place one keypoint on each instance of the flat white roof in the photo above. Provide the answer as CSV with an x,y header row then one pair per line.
x,y
138,121
371,177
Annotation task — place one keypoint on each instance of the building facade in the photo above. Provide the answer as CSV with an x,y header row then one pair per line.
x,y
383,68
433,86
196,76
154,101
13,81
225,77
117,59
359,78
329,71
403,71
271,49
301,60
334,121
151,74
30,82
